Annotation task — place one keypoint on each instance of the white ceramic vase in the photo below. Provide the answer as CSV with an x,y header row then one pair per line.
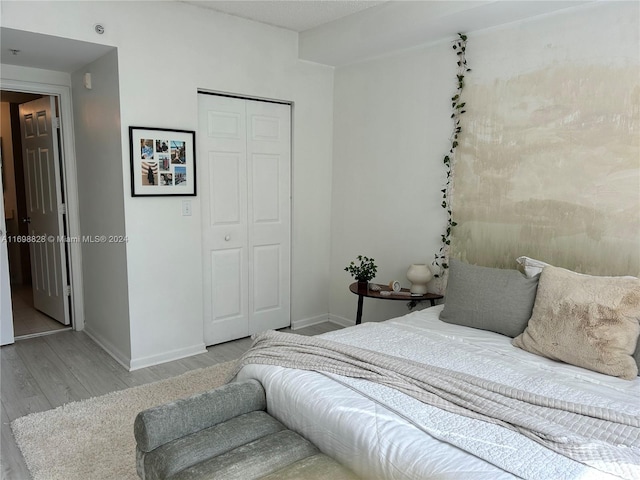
x,y
419,275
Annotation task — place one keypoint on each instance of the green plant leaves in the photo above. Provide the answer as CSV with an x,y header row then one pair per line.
x,y
364,271
460,46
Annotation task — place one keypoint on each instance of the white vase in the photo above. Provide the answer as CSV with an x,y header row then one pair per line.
x,y
419,275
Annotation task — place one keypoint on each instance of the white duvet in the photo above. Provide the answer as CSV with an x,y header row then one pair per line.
x,y
381,433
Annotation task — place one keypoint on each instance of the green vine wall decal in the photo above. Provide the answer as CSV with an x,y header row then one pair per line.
x,y
457,105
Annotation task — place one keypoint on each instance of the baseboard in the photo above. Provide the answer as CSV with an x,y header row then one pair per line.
x,y
307,322
165,357
108,347
342,321
136,364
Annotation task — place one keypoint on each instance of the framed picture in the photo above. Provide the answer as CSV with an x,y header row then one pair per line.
x,y
163,162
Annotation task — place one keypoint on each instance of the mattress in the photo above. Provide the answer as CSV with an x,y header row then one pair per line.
x,y
381,433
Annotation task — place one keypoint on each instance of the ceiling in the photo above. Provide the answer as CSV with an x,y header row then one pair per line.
x,y
330,32
297,15
399,25
46,51
341,32
17,97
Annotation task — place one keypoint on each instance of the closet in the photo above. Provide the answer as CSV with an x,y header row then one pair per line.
x,y
244,166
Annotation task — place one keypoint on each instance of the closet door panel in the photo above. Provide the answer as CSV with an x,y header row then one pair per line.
x,y
223,172
245,171
269,183
228,298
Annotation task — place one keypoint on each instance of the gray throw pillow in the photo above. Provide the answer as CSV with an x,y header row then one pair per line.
x,y
492,299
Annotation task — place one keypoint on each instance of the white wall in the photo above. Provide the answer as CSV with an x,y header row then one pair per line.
x,y
392,127
36,75
96,114
166,52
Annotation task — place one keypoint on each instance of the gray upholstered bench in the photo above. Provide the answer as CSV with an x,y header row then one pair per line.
x,y
226,433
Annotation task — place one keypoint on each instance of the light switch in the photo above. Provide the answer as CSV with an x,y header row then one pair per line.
x,y
186,208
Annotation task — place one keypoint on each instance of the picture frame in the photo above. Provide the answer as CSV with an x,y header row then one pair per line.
x,y
163,162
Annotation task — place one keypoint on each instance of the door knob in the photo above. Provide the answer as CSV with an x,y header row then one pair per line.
x,y
26,220
227,238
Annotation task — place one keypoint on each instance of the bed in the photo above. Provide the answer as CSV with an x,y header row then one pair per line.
x,y
381,433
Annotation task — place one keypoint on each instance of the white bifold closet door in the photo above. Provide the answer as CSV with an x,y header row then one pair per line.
x,y
244,166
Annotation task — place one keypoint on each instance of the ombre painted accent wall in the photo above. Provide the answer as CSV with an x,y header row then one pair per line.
x,y
549,161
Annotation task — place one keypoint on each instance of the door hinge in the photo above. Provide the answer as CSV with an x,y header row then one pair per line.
x,y
56,122
62,209
67,290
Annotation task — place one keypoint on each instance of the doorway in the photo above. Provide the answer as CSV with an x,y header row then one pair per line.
x,y
28,319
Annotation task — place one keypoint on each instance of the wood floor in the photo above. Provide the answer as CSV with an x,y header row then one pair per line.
x,y
27,320
45,372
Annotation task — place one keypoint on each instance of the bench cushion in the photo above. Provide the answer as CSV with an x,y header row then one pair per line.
x,y
253,460
225,433
162,424
189,450
315,467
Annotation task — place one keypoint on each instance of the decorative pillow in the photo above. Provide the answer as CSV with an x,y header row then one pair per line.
x,y
531,266
591,322
488,298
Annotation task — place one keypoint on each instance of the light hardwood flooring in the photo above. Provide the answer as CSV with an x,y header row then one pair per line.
x,y
45,372
26,319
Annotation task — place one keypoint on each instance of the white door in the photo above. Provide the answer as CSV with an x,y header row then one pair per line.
x,y
245,170
44,207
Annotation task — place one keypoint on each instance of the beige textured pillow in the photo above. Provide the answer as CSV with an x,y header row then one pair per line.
x,y
591,322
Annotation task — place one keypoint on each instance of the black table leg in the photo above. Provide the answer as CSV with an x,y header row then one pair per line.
x,y
359,314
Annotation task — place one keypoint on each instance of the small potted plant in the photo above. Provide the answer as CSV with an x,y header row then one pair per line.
x,y
364,272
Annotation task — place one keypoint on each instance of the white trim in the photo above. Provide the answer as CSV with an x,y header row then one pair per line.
x,y
42,334
307,322
136,364
219,93
108,347
6,314
342,321
72,219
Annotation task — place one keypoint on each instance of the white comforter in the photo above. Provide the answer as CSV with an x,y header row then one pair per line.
x,y
381,433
